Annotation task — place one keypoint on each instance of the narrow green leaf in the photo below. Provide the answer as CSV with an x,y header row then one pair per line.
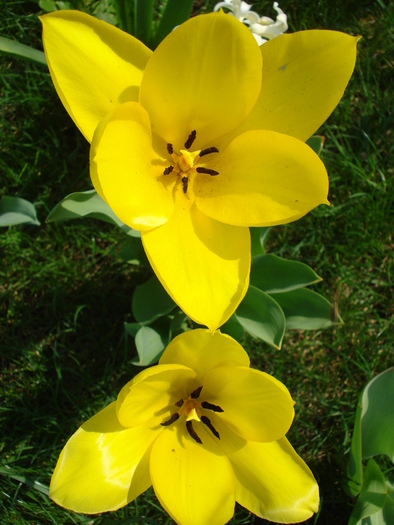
x,y
44,489
316,143
272,274
354,470
150,345
377,417
233,328
124,10
305,309
151,301
87,204
143,20
14,210
16,49
262,317
372,496
175,13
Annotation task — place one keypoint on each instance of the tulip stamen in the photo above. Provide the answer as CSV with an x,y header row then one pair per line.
x,y
191,139
168,170
193,434
207,171
179,403
208,423
170,421
196,393
170,149
185,184
207,151
210,406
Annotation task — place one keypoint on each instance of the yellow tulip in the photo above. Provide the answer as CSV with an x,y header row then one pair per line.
x,y
199,140
201,427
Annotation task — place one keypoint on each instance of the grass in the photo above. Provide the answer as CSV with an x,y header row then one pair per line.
x,y
65,293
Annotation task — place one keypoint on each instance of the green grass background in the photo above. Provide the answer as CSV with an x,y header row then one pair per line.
x,y
65,293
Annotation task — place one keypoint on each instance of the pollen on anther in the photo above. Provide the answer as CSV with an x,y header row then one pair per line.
x,y
207,151
192,433
170,421
170,149
168,170
195,394
207,171
191,139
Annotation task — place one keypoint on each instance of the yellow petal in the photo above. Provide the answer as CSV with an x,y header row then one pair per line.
x,y
193,482
268,178
202,350
255,405
203,264
103,466
127,170
205,76
152,393
94,66
272,481
304,77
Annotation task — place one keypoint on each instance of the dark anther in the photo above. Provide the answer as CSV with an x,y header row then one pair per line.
x,y
170,149
192,432
207,171
191,139
208,151
207,422
179,403
170,421
185,183
195,394
210,406
168,170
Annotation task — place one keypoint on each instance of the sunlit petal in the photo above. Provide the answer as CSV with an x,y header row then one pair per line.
x,y
304,77
94,66
255,405
127,170
103,466
272,481
205,76
265,178
202,350
151,392
193,482
203,264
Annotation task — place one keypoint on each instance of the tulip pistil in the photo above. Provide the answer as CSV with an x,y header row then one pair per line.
x,y
191,407
185,162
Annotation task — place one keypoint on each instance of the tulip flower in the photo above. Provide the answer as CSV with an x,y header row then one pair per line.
x,y
201,427
199,140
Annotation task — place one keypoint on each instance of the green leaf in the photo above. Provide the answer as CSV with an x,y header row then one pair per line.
x,y
176,12
273,274
377,417
87,204
258,237
262,317
233,328
178,324
131,328
150,345
373,495
354,470
14,210
124,10
133,252
143,20
305,309
52,5
151,301
16,49
316,143
44,489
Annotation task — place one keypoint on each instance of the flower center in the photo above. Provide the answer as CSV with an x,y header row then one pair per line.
x,y
192,409
186,162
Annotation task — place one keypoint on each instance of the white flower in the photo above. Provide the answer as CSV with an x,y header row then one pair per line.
x,y
263,28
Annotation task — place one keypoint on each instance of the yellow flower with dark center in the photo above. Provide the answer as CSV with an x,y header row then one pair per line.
x,y
199,140
201,427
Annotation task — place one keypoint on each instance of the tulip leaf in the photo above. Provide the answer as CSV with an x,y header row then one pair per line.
x,y
272,274
258,237
87,204
133,252
175,12
305,309
16,49
354,470
178,324
14,210
143,20
151,301
316,143
131,328
372,497
377,417
233,328
150,344
262,317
